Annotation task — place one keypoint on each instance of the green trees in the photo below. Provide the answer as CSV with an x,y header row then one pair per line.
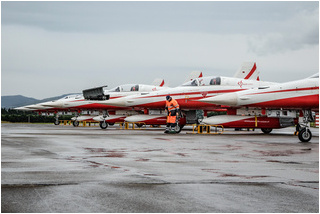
x,y
11,115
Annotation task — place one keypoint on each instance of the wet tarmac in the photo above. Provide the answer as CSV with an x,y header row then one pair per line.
x,y
47,168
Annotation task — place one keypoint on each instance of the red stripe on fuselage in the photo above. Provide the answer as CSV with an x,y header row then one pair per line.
x,y
287,90
115,120
192,93
98,106
303,102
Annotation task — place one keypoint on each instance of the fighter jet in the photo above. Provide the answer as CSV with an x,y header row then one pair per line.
x,y
275,106
77,102
188,96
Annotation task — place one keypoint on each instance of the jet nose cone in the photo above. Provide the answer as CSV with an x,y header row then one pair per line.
x,y
23,109
230,99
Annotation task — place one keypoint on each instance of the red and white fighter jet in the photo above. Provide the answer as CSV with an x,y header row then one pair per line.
x,y
188,96
276,106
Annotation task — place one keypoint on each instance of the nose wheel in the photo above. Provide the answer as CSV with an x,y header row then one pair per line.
x,y
178,128
103,124
75,123
305,135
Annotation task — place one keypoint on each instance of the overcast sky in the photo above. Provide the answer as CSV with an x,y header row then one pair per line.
x,y
53,48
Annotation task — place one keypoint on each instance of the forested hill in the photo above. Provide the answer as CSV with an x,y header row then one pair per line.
x,y
19,100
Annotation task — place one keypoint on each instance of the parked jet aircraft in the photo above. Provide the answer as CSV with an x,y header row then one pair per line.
x,y
271,107
187,95
77,102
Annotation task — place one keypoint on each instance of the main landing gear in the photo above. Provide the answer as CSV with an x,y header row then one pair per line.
x,y
305,134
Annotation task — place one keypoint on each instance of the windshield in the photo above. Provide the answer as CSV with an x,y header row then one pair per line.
x,y
125,88
191,83
215,81
71,96
135,88
79,97
204,81
116,89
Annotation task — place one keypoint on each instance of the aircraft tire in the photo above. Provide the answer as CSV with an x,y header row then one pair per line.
x,y
178,128
266,130
103,124
75,123
305,135
56,122
139,125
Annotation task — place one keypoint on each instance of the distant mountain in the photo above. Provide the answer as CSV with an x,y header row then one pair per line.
x,y
19,100
16,101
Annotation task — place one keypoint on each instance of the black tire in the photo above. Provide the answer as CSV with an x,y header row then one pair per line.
x,y
178,128
305,135
266,130
57,122
75,123
139,125
103,125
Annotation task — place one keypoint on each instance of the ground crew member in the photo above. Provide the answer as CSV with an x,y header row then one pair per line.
x,y
172,108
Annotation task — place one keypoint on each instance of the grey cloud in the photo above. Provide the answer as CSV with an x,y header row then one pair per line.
x,y
295,33
51,48
213,17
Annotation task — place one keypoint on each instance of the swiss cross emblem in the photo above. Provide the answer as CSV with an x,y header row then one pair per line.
x,y
204,94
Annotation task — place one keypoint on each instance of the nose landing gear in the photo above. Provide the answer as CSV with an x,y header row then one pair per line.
x,y
305,134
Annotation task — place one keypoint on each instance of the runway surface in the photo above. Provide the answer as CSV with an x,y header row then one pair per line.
x,y
47,168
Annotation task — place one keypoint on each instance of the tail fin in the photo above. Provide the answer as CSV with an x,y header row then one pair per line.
x,y
158,82
193,75
248,70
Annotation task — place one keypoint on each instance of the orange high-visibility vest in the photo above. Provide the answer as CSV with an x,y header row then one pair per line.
x,y
173,104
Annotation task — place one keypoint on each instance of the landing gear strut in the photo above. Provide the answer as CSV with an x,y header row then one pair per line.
x,y
104,124
305,134
76,122
56,122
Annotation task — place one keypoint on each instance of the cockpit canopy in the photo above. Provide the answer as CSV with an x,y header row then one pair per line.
x,y
125,88
204,81
72,96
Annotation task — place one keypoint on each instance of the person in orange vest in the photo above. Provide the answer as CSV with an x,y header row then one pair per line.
x,y
172,108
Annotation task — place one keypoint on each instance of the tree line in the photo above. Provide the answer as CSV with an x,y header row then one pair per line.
x,y
15,116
